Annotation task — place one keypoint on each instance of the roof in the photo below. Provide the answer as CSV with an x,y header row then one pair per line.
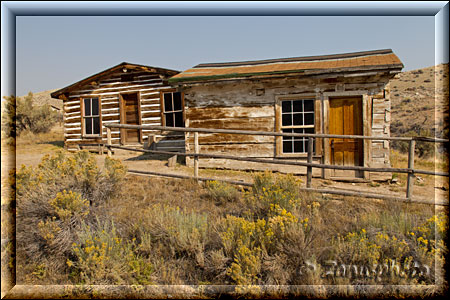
x,y
95,77
376,59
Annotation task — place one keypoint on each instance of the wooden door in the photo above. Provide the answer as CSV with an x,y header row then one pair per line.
x,y
129,114
346,119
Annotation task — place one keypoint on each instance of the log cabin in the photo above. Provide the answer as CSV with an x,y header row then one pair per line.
x,y
345,94
124,94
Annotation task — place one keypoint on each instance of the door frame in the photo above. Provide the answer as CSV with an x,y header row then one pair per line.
x,y
123,135
366,122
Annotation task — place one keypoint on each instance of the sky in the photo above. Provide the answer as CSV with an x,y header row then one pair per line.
x,y
53,51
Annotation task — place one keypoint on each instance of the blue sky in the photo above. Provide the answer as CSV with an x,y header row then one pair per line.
x,y
53,52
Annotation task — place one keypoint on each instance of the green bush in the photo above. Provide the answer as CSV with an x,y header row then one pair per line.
x,y
182,232
422,149
21,115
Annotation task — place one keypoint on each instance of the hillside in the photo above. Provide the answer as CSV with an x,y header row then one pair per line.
x,y
44,97
41,98
420,101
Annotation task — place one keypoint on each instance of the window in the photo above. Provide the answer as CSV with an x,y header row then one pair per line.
x,y
91,116
297,116
126,77
173,109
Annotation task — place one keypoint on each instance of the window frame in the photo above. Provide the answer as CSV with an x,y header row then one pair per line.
x,y
279,127
163,108
83,117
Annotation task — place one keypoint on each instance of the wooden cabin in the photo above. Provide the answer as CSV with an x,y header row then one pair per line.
x,y
331,94
124,94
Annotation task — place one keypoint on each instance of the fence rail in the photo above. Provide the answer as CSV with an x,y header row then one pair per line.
x,y
410,171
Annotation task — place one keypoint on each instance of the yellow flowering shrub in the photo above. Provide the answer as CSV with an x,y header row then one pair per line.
x,y
102,257
115,171
242,232
356,248
71,171
67,204
269,190
429,240
246,266
280,219
222,192
48,229
405,259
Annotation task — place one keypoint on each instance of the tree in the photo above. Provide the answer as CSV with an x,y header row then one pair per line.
x,y
21,115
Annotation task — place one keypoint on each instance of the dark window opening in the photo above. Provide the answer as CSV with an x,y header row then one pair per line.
x,y
173,109
126,77
297,116
91,116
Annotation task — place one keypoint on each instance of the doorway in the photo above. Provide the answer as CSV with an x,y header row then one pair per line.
x,y
346,119
130,112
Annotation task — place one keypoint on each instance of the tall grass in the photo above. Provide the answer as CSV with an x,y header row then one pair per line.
x,y
114,229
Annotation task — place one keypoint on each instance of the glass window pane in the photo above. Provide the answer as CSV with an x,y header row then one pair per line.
x,y
179,119
309,130
298,119
96,125
309,119
298,106
286,120
286,106
298,130
287,147
95,106
169,120
177,101
298,147
88,125
168,102
308,105
87,106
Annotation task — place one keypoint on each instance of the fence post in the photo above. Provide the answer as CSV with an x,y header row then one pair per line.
x,y
309,169
196,157
108,136
410,182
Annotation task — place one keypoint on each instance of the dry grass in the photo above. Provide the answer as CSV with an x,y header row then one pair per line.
x,y
169,231
28,142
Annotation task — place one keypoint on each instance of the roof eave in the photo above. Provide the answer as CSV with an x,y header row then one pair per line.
x,y
243,76
58,93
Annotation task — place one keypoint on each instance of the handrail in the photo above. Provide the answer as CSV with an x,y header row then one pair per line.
x,y
410,171
287,162
270,133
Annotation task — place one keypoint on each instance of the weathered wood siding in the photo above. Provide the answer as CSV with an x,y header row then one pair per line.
x,y
250,105
149,85
381,119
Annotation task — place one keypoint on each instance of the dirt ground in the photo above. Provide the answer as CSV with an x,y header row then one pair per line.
x,y
426,188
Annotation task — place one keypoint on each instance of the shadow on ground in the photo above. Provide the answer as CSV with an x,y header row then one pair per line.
x,y
160,157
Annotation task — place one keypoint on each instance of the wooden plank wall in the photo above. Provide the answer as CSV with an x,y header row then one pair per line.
x,y
148,84
250,105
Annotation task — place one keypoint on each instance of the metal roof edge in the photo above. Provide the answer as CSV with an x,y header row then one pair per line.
x,y
292,59
239,76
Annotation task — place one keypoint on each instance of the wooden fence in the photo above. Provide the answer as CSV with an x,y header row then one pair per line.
x,y
309,164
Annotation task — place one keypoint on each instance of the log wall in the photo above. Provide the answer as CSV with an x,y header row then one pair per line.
x,y
148,84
